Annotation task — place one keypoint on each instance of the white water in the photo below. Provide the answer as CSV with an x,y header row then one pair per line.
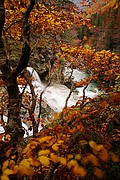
x,y
55,95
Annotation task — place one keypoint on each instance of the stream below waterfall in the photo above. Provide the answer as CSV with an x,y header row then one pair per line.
x,y
55,94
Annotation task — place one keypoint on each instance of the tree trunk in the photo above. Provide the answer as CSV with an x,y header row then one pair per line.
x,y
14,126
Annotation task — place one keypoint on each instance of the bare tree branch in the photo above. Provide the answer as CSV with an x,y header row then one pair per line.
x,y
29,9
26,41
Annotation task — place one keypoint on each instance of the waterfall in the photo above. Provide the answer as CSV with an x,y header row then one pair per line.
x,y
55,94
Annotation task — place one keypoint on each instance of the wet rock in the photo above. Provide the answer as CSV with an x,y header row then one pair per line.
x,y
40,60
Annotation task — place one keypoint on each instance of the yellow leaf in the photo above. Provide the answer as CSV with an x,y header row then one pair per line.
x,y
103,155
34,162
78,156
71,163
99,173
12,164
44,152
25,163
79,171
70,156
8,172
44,160
13,157
99,147
25,170
45,139
8,137
5,165
92,144
28,145
55,147
83,142
25,150
60,141
54,158
93,160
114,157
63,161
4,177
16,168
22,9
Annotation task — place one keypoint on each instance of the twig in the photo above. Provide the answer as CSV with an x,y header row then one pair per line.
x,y
5,29
40,105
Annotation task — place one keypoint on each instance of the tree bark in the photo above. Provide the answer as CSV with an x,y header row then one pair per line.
x,y
14,126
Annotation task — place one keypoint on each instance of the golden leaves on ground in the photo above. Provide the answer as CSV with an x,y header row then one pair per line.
x,y
45,157
44,160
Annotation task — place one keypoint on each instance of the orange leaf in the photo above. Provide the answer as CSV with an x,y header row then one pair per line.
x,y
79,171
8,152
45,139
93,160
92,144
103,104
103,155
54,158
99,173
114,157
71,163
55,147
70,156
85,161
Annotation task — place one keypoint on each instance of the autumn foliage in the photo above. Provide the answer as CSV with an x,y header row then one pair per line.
x,y
82,141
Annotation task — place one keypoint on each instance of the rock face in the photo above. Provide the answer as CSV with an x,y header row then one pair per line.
x,y
40,61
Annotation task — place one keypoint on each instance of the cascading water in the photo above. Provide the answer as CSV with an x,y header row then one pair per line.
x,y
55,94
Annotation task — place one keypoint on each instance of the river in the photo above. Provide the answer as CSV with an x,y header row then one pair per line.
x,y
55,94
